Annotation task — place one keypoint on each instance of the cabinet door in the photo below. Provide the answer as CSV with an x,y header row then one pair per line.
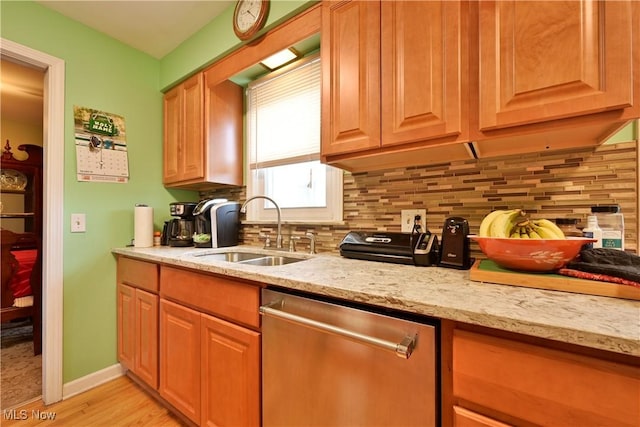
x,y
224,103
146,345
230,374
543,386
172,105
193,127
540,61
183,132
350,49
126,325
180,358
423,70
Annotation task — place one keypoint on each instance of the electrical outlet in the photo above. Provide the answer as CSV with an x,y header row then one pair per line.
x,y
407,217
78,223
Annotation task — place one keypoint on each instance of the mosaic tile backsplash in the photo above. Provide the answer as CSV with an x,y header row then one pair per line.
x,y
560,184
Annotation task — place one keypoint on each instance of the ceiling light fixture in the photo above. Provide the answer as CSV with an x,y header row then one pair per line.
x,y
279,59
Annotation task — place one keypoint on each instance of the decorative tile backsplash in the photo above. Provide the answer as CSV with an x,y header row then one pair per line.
x,y
559,184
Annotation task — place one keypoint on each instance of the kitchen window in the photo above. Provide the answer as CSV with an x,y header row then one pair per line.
x,y
283,141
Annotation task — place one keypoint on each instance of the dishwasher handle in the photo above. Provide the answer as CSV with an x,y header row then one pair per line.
x,y
403,349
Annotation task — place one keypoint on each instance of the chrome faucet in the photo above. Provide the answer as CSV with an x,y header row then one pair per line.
x,y
243,209
312,242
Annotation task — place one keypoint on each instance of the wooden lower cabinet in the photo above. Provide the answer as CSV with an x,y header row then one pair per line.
x,y
500,380
126,324
180,358
230,374
209,367
137,319
146,337
138,333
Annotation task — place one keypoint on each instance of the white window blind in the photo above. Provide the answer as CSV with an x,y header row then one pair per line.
x,y
283,116
283,148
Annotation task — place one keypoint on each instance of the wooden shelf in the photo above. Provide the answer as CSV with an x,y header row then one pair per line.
x,y
10,191
17,215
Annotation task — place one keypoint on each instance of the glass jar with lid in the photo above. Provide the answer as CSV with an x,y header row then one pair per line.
x,y
611,221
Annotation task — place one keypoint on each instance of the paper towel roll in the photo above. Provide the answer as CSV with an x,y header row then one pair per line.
x,y
143,226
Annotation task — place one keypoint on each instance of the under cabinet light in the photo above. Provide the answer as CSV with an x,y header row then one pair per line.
x,y
279,59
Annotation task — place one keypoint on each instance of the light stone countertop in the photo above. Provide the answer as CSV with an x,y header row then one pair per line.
x,y
599,322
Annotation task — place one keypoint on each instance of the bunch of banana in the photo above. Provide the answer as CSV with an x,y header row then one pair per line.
x,y
538,229
500,223
513,223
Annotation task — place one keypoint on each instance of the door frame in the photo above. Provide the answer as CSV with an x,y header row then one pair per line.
x,y
53,211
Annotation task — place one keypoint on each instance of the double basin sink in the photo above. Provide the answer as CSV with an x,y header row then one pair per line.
x,y
249,258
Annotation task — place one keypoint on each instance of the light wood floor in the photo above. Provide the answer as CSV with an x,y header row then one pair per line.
x,y
120,402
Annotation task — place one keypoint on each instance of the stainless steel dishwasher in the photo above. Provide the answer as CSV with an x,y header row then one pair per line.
x,y
328,364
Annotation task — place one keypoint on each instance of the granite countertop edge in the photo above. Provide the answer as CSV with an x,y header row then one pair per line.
x,y
604,323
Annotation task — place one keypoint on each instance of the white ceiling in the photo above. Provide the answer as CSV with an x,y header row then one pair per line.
x,y
151,26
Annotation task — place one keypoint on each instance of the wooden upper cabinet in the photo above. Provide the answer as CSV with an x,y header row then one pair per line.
x,y
411,83
350,50
423,72
540,61
183,132
223,112
173,111
203,133
193,145
395,83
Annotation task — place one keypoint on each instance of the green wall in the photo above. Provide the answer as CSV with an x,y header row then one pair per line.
x,y
104,74
627,133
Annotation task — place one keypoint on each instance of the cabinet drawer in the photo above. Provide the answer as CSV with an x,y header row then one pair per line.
x,y
140,274
541,385
230,299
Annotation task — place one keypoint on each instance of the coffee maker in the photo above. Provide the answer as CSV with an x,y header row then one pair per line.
x,y
216,223
454,252
179,230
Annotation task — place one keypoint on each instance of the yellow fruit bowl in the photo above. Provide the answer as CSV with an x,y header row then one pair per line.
x,y
538,255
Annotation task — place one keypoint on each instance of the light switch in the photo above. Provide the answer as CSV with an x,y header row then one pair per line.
x,y
78,223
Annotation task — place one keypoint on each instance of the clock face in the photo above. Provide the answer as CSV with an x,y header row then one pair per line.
x,y
249,17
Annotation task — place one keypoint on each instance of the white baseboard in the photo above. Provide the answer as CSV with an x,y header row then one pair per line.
x,y
92,380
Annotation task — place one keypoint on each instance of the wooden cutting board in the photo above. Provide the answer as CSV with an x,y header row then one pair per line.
x,y
487,271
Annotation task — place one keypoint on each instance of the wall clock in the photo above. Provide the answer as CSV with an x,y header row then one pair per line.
x,y
249,17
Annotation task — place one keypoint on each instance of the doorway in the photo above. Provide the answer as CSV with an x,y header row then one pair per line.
x,y
52,221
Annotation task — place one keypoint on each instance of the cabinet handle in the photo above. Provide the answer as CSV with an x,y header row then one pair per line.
x,y
403,349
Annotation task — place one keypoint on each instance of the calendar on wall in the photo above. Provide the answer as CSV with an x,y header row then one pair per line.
x,y
101,146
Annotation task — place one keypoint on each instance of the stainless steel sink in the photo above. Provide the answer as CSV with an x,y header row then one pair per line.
x,y
230,256
250,258
272,260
